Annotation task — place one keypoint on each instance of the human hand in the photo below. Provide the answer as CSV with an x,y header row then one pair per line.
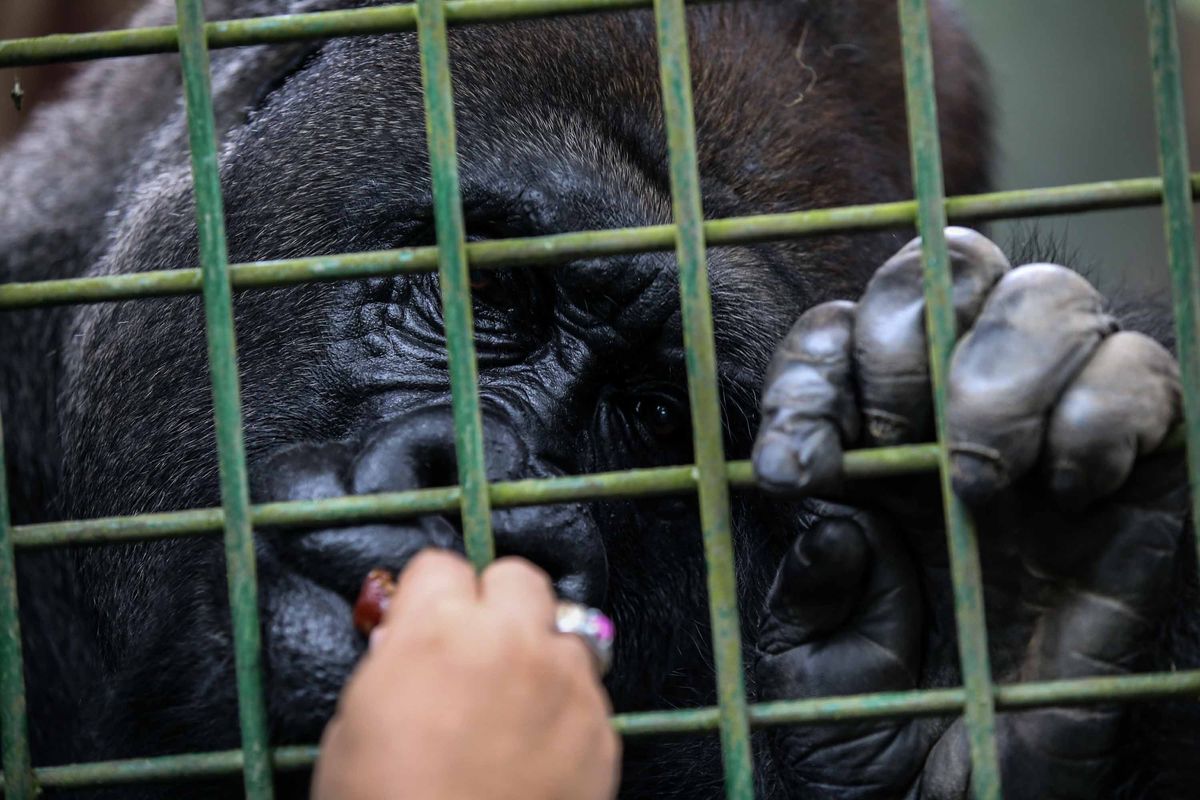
x,y
468,692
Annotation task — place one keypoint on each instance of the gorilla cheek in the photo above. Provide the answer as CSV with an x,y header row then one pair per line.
x,y
310,650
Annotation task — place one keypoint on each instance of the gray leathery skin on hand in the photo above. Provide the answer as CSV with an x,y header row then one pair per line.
x,y
1121,406
1037,330
808,404
846,594
1075,575
891,349
1097,582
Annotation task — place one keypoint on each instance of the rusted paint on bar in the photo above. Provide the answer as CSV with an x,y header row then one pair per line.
x,y
454,280
227,405
280,28
704,396
561,248
1179,226
811,711
14,728
965,570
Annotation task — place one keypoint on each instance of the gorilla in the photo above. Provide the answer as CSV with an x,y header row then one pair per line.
x,y
843,585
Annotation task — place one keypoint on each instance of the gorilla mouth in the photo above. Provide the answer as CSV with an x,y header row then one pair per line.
x,y
339,558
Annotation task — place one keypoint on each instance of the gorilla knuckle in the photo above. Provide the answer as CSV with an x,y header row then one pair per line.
x,y
1048,294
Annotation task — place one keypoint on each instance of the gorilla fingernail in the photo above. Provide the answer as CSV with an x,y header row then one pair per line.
x,y
977,473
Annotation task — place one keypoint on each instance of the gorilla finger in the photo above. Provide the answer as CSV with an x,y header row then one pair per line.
x,y
808,404
1121,406
1053,752
890,344
818,585
1037,330
845,617
848,575
890,613
1058,752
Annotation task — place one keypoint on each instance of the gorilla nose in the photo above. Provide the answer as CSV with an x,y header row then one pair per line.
x,y
414,452
417,452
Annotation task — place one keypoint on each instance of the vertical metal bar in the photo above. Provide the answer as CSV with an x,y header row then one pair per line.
x,y
227,404
18,769
455,281
960,531
704,395
1178,222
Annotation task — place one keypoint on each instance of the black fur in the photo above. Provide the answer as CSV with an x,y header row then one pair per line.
x,y
107,406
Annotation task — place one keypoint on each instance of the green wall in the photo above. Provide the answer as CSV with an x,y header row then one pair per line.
x,y
1072,89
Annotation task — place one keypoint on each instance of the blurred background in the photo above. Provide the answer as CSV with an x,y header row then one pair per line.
x,y
1072,86
37,18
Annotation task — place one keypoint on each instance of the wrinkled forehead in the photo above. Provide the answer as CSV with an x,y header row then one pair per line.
x,y
559,123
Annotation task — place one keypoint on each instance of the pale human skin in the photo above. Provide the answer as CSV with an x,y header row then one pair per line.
x,y
468,692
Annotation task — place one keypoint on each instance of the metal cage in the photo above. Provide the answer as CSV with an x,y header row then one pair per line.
x,y
710,476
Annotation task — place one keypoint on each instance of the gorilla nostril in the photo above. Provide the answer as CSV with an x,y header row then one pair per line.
x,y
436,465
416,451
412,452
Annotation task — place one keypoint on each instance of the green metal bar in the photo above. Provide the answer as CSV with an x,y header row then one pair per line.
x,y
564,247
285,28
454,279
939,319
18,769
1179,227
883,705
190,765
704,396
390,506
227,405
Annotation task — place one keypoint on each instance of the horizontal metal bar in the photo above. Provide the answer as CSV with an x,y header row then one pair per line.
x,y
191,765
858,464
563,247
285,28
929,702
877,462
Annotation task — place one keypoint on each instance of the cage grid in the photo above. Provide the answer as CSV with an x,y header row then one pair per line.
x,y
710,477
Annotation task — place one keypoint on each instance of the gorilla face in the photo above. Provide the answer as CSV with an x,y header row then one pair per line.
x,y
345,386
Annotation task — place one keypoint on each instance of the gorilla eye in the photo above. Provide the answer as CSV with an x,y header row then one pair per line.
x,y
494,289
481,281
661,417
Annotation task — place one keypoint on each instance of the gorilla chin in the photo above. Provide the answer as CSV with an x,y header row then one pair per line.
x,y
345,392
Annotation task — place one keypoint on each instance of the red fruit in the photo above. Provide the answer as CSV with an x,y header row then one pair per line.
x,y
373,598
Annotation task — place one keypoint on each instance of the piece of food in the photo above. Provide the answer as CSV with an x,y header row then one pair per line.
x,y
373,599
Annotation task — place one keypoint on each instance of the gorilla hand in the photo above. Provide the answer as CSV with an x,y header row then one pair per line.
x,y
1040,379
